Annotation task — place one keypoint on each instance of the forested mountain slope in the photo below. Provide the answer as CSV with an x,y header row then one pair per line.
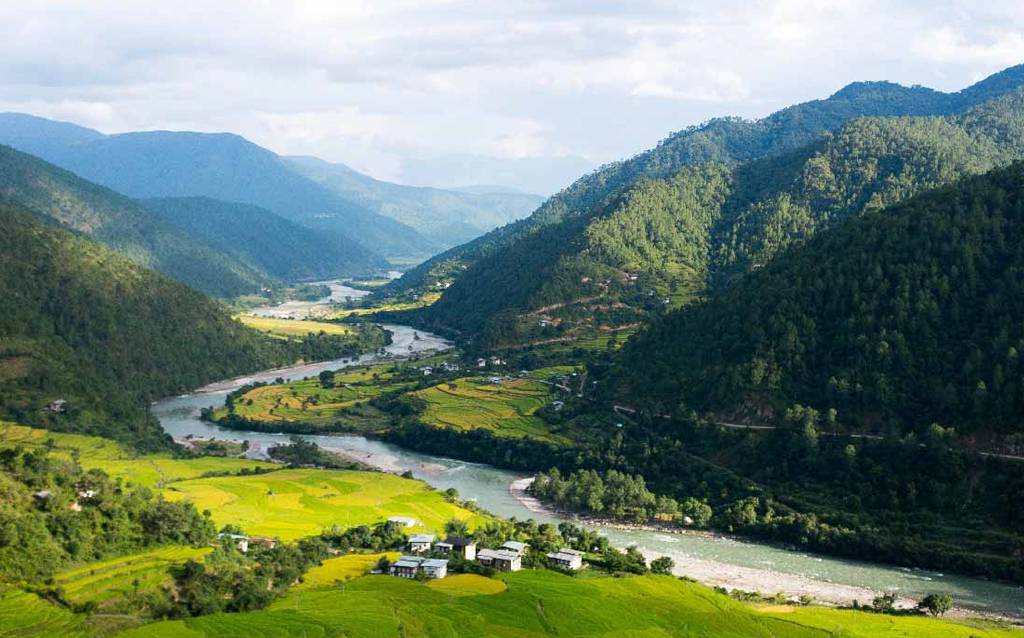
x,y
220,166
446,217
266,241
124,225
897,319
665,235
84,324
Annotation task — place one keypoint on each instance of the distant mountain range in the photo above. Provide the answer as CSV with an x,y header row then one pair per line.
x,y
709,203
446,217
227,167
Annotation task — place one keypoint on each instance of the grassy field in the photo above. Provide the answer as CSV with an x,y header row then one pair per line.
x,y
507,409
396,306
309,403
289,328
541,603
291,504
152,470
468,585
341,569
105,580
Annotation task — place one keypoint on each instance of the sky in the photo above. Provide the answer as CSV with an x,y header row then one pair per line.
x,y
520,93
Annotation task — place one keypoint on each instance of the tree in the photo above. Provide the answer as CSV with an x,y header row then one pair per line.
x,y
456,527
326,379
662,565
936,604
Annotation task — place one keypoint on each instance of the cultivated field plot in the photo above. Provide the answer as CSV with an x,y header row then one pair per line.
x,y
468,585
109,579
507,408
151,470
542,603
394,306
341,569
291,504
289,328
25,614
309,403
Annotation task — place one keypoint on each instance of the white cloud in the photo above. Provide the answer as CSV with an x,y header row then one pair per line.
x,y
375,82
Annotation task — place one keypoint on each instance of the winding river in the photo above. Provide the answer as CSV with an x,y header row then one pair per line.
x,y
711,559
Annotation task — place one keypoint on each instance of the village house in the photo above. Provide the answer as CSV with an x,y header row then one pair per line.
x,y
515,546
241,542
566,558
57,406
459,546
481,363
427,371
420,543
502,560
410,566
262,541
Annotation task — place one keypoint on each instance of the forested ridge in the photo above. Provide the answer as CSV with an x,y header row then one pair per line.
x,y
898,319
84,324
124,225
621,245
265,241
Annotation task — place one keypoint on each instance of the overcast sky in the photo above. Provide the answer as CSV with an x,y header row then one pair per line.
x,y
381,83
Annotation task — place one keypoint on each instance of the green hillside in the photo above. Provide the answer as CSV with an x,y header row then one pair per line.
x,y
124,225
265,241
903,317
543,603
446,217
713,201
92,327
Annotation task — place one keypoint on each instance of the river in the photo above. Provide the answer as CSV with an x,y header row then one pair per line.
x,y
711,559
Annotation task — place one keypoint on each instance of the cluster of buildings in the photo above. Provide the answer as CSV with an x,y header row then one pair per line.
x,y
507,558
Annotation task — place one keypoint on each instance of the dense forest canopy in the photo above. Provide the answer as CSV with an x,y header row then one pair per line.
x,y
898,319
86,325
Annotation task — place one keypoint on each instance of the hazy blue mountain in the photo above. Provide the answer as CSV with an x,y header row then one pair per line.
x,y
122,224
265,240
217,165
443,216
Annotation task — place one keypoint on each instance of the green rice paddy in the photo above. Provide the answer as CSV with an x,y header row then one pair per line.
x,y
291,504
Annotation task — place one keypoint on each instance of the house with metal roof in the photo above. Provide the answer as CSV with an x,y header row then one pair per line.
x,y
420,543
502,560
410,566
566,558
515,546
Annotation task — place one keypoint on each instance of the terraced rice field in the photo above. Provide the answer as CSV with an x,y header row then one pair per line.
x,y
507,409
341,569
288,328
291,504
308,403
25,614
468,585
400,306
542,603
151,470
105,580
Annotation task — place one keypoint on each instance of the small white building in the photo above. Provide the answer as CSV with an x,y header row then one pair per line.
x,y
435,567
565,558
427,371
420,543
459,546
240,541
502,560
481,363
515,546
